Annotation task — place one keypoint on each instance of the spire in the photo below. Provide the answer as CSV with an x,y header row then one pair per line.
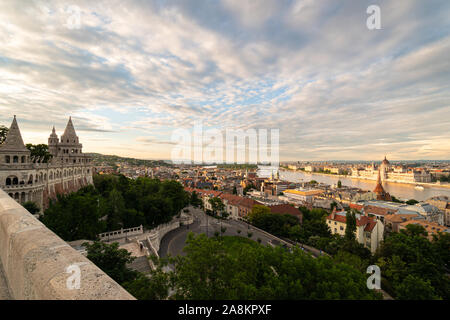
x,y
70,130
53,134
379,188
14,141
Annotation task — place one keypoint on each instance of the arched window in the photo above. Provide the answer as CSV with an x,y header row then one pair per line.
x,y
23,159
8,181
15,181
16,159
30,180
7,159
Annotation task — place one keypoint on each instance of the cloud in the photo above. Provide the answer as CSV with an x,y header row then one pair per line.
x,y
335,89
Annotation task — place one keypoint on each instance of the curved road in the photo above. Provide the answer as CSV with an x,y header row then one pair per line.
x,y
173,242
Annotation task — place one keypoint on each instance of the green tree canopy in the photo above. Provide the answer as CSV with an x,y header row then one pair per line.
x,y
239,268
40,151
3,133
112,260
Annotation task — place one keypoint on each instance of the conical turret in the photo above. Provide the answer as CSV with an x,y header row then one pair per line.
x,y
14,141
69,135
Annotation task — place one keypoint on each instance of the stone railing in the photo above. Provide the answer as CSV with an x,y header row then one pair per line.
x,y
37,263
122,233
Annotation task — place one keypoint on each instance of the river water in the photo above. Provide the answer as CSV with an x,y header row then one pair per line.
x,y
399,190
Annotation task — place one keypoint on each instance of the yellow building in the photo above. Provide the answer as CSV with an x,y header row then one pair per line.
x,y
304,195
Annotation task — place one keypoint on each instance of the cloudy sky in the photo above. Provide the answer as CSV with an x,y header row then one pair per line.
x,y
132,72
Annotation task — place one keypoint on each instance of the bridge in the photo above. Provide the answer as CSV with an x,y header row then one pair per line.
x,y
34,262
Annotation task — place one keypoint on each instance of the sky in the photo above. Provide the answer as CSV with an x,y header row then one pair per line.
x,y
131,73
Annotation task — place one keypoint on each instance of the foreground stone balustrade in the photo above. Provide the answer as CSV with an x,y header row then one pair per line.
x,y
35,261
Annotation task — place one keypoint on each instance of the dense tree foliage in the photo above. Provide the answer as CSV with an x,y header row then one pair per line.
x,y
195,200
115,202
3,133
32,207
276,224
75,216
112,260
217,206
238,268
350,227
409,259
39,151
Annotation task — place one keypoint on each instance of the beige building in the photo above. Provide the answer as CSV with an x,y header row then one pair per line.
x,y
25,178
391,173
431,227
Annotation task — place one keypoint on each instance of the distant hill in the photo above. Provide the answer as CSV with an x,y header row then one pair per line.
x,y
111,160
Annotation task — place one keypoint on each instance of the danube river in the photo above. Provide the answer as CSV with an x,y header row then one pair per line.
x,y
399,190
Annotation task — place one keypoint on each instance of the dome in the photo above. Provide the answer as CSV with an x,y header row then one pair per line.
x,y
385,161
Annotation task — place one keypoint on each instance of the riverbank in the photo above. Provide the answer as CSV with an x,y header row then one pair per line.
x,y
425,184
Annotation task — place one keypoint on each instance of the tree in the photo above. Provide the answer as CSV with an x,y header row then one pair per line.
x,y
276,224
40,151
32,207
350,228
115,210
339,184
411,253
75,216
230,268
412,202
3,133
415,288
155,286
216,205
112,260
195,200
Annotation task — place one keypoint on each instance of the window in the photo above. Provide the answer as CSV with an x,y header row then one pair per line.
x,y
23,159
7,159
342,228
16,159
8,181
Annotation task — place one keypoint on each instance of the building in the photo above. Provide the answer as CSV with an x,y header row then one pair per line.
x,y
443,204
393,173
302,195
431,227
25,178
379,190
287,209
369,230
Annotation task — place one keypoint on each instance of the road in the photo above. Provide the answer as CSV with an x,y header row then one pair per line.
x,y
174,242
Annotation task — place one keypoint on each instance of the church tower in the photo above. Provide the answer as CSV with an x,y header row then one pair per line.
x,y
379,190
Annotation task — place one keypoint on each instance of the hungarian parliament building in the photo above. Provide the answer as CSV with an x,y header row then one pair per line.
x,y
392,173
26,178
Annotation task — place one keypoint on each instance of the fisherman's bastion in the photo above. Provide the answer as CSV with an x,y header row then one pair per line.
x,y
25,178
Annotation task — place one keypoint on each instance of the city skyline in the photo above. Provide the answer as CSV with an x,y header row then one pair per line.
x,y
130,78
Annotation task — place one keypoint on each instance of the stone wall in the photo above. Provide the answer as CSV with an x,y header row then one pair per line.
x,y
35,261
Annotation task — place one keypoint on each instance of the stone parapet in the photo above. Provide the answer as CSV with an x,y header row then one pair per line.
x,y
35,261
